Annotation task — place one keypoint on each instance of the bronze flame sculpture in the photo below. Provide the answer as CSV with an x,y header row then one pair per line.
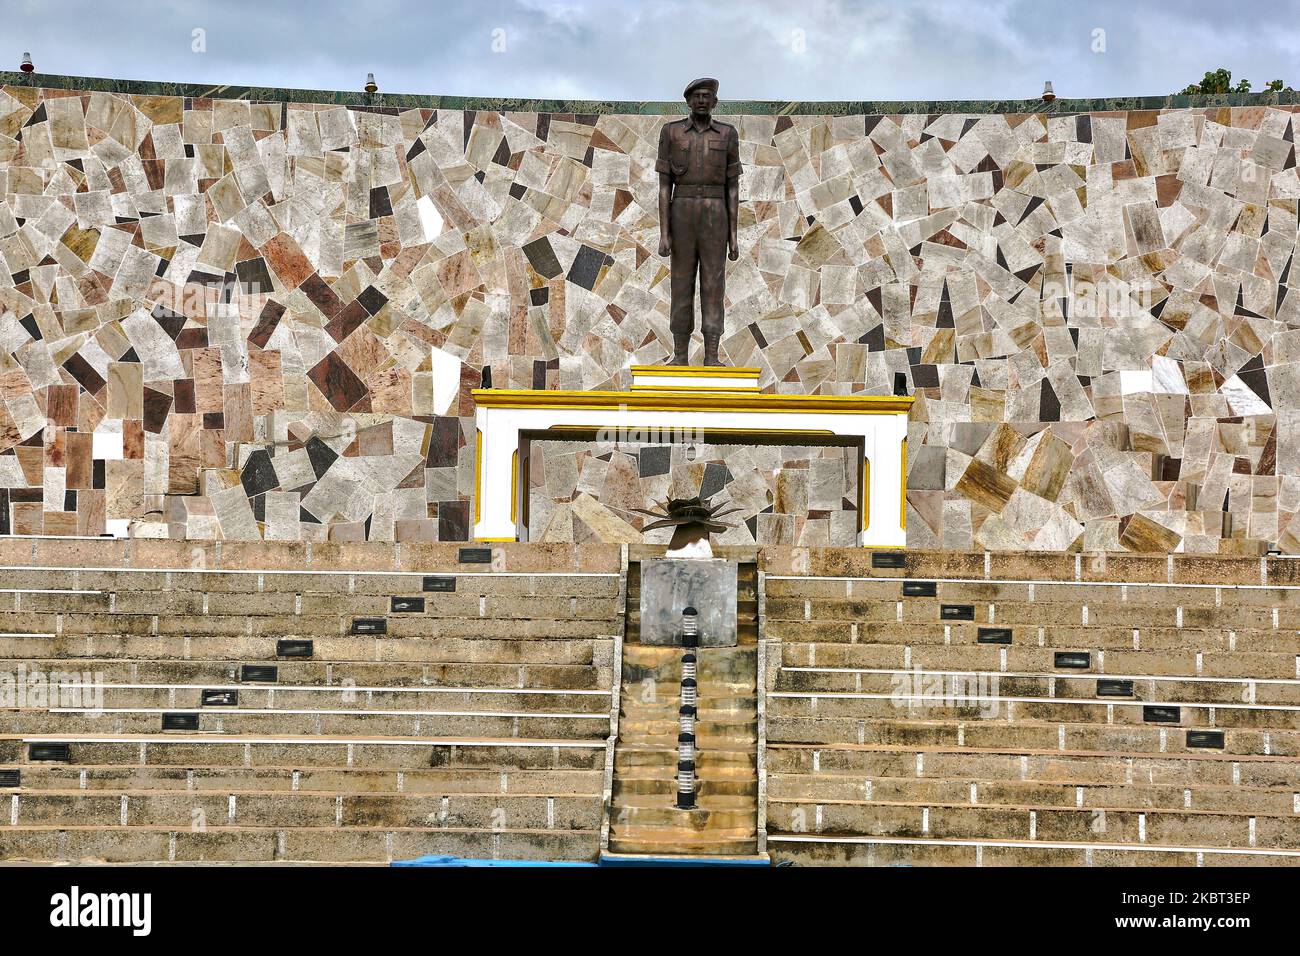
x,y
693,518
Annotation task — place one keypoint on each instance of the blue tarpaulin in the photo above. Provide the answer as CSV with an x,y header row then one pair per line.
x,y
458,861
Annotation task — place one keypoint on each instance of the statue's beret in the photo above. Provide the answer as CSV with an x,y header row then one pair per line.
x,y
707,82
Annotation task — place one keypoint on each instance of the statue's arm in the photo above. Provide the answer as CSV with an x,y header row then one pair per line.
x,y
665,193
733,194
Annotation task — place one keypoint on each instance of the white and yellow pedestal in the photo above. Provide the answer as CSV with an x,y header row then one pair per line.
x,y
669,404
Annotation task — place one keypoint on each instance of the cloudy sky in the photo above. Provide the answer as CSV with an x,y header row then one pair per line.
x,y
647,49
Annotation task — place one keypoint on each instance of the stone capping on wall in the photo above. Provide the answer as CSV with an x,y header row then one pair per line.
x,y
396,101
592,558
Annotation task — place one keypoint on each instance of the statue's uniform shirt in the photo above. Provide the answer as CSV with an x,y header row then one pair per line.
x,y
701,163
699,157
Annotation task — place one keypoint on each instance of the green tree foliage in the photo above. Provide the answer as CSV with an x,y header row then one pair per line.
x,y
1220,81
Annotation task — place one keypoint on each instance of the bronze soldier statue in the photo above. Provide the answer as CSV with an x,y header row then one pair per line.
x,y
699,195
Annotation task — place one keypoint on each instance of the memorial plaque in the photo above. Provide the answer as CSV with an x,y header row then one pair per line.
x,y
10,778
920,589
1111,687
1162,715
369,625
293,647
994,635
439,582
957,612
475,556
407,605
259,673
1211,739
180,721
669,586
887,559
219,698
60,752
1079,660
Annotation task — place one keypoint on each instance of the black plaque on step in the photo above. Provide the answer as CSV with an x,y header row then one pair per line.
x,y
994,635
259,673
370,625
1078,660
219,698
60,752
1111,687
439,582
180,721
293,647
956,612
10,778
475,556
888,559
1159,714
408,605
920,589
1205,739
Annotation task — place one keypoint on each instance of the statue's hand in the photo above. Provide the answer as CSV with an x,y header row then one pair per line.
x,y
733,250
665,245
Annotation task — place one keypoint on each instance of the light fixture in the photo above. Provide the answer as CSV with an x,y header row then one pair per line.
x,y
27,66
690,453
371,85
1048,95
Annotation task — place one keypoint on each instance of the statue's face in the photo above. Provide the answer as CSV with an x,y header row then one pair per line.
x,y
701,101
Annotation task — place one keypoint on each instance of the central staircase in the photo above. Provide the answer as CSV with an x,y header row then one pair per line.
x,y
644,818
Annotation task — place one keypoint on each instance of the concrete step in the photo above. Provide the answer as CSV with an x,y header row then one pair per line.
x,y
816,850
1155,827
1020,793
224,844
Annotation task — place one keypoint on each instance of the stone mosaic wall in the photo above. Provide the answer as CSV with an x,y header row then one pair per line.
x,y
241,320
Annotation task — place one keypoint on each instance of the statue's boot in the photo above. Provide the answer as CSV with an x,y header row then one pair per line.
x,y
681,350
711,350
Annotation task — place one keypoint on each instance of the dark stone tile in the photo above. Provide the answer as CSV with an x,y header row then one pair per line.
x,y
28,322
321,295
542,258
183,393
380,204
214,420
84,373
258,476
1049,406
539,296
925,376
272,312
586,267
655,460
338,383
715,479
372,300
320,455
453,521
196,338
444,446
156,406
346,322
254,276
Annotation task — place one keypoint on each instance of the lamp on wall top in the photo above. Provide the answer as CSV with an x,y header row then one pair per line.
x,y
371,85
1048,95
27,66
